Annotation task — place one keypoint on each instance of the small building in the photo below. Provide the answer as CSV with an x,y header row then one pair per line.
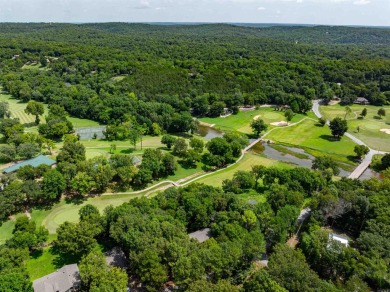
x,y
201,235
362,101
41,159
66,279
339,238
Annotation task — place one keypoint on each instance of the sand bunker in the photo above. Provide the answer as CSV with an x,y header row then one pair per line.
x,y
257,117
280,124
387,131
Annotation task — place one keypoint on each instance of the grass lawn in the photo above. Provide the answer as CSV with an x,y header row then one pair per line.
x,y
245,163
307,134
369,127
253,195
36,66
67,211
17,107
44,262
241,121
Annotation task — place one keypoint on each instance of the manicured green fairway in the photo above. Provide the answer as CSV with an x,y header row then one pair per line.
x,y
245,163
241,121
369,127
308,134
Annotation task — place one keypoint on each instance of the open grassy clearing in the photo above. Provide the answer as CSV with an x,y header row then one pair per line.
x,y
369,127
309,135
47,261
245,163
17,107
241,121
35,66
252,195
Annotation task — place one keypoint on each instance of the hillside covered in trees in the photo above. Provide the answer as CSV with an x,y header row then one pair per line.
x,y
159,74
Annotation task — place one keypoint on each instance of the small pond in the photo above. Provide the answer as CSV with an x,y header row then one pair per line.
x,y
270,152
209,133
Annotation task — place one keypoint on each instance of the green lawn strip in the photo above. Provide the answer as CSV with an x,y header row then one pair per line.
x,y
245,163
46,261
241,121
285,150
6,231
308,135
369,127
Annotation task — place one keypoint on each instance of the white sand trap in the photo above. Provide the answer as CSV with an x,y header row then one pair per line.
x,y
280,124
387,131
257,117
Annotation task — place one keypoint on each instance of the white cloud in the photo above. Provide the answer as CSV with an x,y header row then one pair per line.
x,y
143,4
362,2
261,8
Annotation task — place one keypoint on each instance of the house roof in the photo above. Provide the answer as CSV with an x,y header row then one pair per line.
x,y
41,159
60,281
361,99
201,235
343,240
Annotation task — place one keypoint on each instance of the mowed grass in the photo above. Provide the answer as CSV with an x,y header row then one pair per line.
x,y
67,211
369,127
241,121
309,134
17,108
245,164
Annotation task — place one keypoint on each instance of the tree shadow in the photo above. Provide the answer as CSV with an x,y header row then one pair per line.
x,y
353,158
29,125
186,165
377,118
61,260
184,135
75,199
127,151
329,138
36,253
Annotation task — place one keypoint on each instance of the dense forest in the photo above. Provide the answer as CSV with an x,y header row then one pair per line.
x,y
160,74
143,79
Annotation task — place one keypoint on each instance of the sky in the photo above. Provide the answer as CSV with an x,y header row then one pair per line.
x,y
330,12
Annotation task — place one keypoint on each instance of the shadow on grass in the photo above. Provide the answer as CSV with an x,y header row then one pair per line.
x,y
127,151
329,138
353,158
61,260
186,165
184,135
377,118
29,125
36,253
75,199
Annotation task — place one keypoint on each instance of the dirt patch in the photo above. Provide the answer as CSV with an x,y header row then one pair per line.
x,y
257,117
206,124
387,131
280,124
333,102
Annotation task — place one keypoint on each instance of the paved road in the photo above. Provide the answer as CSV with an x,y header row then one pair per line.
x,y
365,163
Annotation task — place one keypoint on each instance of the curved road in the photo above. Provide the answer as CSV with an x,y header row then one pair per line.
x,y
365,163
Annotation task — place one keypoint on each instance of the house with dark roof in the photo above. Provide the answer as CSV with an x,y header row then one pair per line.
x,y
41,159
66,279
361,100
